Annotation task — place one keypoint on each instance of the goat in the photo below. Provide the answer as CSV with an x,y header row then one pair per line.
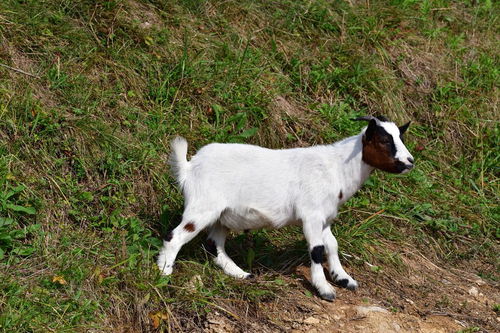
x,y
240,187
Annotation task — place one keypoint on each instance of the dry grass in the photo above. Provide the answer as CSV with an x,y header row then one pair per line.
x,y
117,79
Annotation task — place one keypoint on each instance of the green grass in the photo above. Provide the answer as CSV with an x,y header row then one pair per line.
x,y
84,189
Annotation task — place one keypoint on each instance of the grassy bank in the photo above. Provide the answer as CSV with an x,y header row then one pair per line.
x,y
91,92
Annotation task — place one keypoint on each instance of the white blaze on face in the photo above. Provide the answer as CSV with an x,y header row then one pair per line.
x,y
402,153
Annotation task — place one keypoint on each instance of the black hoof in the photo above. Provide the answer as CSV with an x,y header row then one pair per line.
x,y
250,277
344,283
328,297
353,287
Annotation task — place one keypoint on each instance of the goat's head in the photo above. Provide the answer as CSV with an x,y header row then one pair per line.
x,y
383,146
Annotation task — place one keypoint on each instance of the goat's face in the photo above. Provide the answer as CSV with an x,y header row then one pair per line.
x,y
383,146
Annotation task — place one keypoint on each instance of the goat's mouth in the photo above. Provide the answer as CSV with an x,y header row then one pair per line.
x,y
405,168
399,167
387,163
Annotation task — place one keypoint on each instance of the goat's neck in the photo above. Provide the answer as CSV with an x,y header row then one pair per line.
x,y
353,171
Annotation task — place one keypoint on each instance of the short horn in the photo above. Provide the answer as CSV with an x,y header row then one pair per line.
x,y
365,118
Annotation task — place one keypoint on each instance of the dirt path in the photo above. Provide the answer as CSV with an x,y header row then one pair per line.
x,y
422,298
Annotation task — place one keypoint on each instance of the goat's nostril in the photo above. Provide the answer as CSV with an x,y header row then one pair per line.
x,y
411,160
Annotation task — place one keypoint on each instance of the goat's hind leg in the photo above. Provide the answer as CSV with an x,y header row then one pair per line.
x,y
337,272
192,223
215,246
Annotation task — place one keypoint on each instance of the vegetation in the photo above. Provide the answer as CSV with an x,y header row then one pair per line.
x,y
91,92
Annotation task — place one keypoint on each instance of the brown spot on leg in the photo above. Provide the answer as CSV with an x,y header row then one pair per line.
x,y
341,195
189,227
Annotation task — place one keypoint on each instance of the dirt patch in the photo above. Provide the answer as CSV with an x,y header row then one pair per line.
x,y
343,315
31,75
422,297
289,122
144,15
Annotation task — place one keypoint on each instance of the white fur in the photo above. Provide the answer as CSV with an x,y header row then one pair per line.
x,y
240,187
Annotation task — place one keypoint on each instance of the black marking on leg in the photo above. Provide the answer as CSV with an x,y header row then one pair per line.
x,y
341,195
317,254
169,236
211,247
343,283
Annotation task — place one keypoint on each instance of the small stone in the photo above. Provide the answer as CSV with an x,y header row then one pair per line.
x,y
396,327
480,282
473,291
311,321
214,321
195,283
410,301
364,310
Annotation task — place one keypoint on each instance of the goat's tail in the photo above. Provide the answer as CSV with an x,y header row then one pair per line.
x,y
178,161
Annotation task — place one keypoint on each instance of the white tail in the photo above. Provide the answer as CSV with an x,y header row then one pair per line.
x,y
178,160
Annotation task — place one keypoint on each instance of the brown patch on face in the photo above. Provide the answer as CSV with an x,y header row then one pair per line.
x,y
189,227
379,151
378,155
341,195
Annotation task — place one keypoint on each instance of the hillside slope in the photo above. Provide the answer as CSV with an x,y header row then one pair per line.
x,y
91,92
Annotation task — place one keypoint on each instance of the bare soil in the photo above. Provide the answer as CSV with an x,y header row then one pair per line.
x,y
421,297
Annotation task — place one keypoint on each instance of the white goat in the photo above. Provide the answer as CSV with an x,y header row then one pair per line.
x,y
241,187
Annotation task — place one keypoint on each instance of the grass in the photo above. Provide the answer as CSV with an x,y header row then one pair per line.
x,y
84,191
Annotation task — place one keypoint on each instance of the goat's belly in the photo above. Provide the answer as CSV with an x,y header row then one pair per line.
x,y
248,218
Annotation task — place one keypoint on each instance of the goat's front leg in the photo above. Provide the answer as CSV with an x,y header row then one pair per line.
x,y
313,230
337,272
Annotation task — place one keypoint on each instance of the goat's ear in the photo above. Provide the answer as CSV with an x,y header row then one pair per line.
x,y
370,131
402,129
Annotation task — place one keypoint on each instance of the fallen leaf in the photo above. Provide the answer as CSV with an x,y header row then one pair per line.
x,y
156,317
59,279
